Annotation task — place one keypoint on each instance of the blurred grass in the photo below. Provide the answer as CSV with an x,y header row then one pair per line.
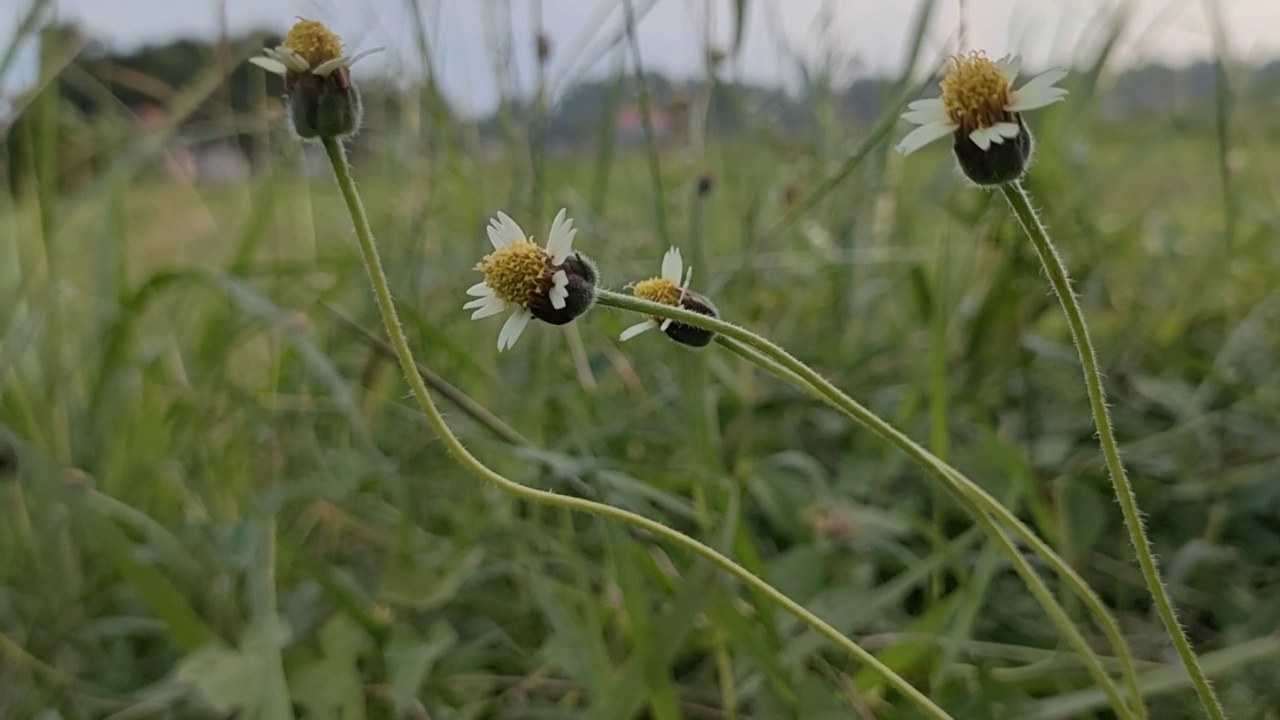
x,y
200,448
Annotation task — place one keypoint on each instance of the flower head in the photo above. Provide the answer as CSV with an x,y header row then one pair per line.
x,y
982,111
554,285
323,102
669,289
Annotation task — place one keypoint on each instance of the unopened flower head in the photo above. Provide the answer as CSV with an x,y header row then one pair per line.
x,y
553,284
323,102
983,113
670,289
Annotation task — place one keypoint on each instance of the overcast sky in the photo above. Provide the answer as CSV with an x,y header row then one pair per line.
x,y
862,35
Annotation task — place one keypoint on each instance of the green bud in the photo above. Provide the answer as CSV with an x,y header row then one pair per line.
x,y
323,106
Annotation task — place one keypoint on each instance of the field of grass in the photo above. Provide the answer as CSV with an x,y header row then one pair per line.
x,y
217,499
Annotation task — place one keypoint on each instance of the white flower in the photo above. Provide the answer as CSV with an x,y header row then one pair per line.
x,y
666,289
978,99
309,47
518,274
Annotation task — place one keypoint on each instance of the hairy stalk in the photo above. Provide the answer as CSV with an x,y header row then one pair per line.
x,y
1020,204
382,293
777,360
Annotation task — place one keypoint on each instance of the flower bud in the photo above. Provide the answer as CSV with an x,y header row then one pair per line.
x,y
670,289
555,284
982,112
324,107
321,99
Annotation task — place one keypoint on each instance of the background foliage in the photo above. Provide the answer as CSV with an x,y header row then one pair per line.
x,y
218,500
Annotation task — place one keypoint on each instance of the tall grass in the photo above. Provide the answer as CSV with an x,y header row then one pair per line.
x,y
215,496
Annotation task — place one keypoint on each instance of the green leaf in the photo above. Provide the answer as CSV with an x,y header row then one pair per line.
x,y
410,659
328,684
427,581
241,680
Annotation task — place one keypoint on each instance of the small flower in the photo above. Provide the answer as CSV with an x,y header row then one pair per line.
x,y
668,289
323,102
554,285
982,111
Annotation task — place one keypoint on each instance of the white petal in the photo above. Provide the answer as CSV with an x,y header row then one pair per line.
x,y
493,307
560,240
479,302
287,57
270,65
362,55
672,265
559,290
496,236
480,289
512,328
1007,129
1043,81
293,60
924,135
510,229
983,137
926,104
326,68
925,116
636,329
558,297
1038,97
1010,65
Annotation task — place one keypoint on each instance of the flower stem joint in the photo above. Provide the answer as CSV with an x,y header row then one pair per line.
x,y
668,289
322,100
983,113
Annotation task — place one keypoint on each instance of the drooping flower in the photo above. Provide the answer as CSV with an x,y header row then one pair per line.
x,y
554,285
669,289
323,102
983,113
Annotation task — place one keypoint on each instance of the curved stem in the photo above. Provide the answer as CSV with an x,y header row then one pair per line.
x,y
964,488
1020,203
386,306
957,485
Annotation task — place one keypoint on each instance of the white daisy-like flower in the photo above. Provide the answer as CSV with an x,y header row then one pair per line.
x,y
553,284
978,103
667,289
310,47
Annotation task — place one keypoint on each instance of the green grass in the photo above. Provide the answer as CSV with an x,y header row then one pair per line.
x,y
225,500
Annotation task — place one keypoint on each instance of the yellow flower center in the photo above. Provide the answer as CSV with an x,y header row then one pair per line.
x,y
314,42
659,290
516,272
975,92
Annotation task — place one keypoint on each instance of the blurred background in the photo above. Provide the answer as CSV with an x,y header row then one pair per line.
x,y
216,499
